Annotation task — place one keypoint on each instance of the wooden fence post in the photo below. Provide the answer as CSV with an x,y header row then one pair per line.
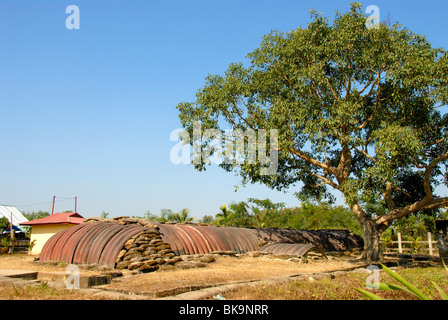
x,y
442,238
11,235
430,243
400,248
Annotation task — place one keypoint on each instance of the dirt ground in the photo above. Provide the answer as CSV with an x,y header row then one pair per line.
x,y
224,270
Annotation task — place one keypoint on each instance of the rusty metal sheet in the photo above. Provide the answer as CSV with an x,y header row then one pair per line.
x,y
174,239
329,240
296,249
62,242
212,237
185,240
222,236
47,249
102,239
116,243
191,239
254,239
207,246
180,240
198,241
91,232
90,241
170,237
230,237
246,239
70,246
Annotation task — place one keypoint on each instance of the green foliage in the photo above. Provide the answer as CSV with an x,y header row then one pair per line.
x,y
405,286
168,215
31,245
36,215
6,242
340,87
266,214
357,110
413,226
223,216
207,219
4,224
104,214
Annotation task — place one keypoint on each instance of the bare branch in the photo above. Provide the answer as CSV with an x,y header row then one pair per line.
x,y
428,201
302,155
387,195
365,153
377,81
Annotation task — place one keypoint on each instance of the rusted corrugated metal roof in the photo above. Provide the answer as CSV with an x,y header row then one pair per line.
x,y
329,240
195,239
101,242
295,249
89,243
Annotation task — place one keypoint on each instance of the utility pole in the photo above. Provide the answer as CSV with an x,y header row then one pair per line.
x,y
52,208
76,200
11,234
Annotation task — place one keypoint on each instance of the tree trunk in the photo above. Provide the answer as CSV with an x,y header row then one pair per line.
x,y
372,250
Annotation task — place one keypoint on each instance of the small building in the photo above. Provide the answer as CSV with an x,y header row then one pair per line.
x,y
42,229
14,216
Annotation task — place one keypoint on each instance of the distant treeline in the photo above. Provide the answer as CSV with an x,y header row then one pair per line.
x,y
258,213
266,214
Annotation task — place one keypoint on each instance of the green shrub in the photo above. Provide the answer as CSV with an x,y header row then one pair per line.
x,y
406,286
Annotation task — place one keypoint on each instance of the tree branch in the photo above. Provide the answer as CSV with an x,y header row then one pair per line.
x,y
324,179
387,195
365,153
302,155
428,201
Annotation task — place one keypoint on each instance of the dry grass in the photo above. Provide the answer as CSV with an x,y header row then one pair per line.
x,y
342,287
227,270
230,270
42,292
224,270
26,262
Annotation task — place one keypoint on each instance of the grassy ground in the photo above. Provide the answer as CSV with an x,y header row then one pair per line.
x,y
41,292
23,261
342,287
223,271
231,269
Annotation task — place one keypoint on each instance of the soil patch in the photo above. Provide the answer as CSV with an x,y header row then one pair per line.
x,y
225,270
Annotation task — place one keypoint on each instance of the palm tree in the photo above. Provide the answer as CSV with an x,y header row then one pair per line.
x,y
166,215
223,216
182,216
241,217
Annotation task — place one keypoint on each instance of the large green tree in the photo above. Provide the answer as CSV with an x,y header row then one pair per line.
x,y
358,110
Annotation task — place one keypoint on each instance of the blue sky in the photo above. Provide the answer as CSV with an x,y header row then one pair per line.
x,y
89,112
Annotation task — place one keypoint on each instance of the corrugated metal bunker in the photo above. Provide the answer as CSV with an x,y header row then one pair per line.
x,y
88,243
103,242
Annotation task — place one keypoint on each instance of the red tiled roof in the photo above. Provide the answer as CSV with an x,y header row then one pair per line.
x,y
57,218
